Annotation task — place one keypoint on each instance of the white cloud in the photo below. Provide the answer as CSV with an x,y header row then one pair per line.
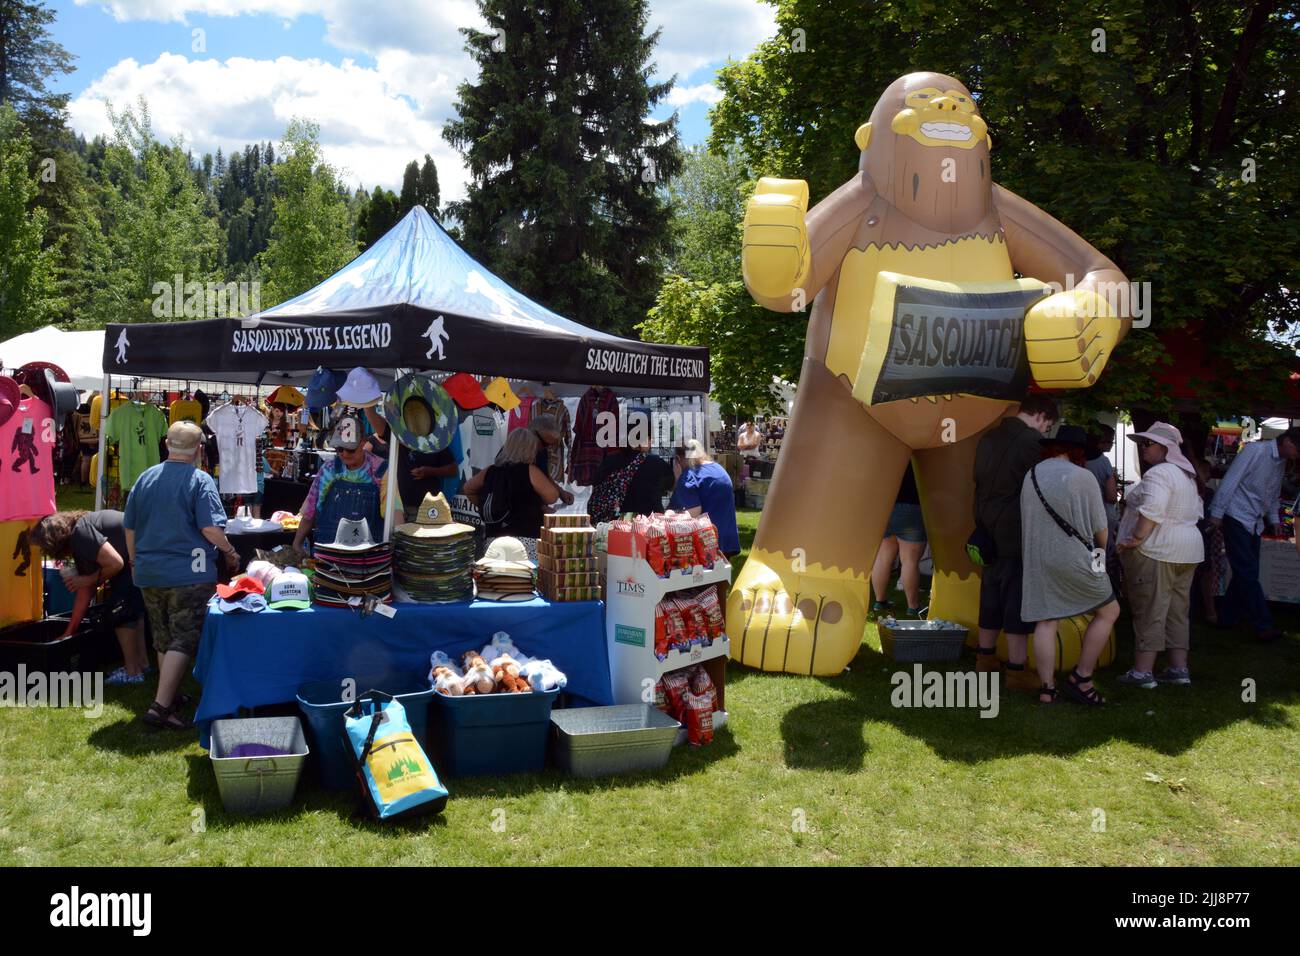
x,y
706,93
368,129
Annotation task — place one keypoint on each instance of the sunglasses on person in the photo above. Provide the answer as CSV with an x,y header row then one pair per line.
x,y
1146,443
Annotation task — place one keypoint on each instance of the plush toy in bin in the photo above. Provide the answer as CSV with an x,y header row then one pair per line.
x,y
500,668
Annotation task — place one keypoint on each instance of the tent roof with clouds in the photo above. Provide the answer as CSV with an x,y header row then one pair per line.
x,y
414,299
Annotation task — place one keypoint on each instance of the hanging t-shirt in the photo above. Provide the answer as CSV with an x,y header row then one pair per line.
x,y
237,428
485,434
522,413
97,405
185,410
22,585
27,462
136,429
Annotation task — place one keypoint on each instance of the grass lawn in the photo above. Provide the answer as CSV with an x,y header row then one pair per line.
x,y
808,771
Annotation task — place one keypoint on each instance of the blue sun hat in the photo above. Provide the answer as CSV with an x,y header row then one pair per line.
x,y
420,413
324,387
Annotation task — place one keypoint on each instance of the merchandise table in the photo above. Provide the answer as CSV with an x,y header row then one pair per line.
x,y
253,660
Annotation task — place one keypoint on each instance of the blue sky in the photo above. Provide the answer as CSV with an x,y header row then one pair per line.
x,y
378,75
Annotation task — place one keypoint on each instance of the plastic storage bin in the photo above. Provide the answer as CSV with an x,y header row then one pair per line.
x,y
915,641
490,733
39,646
598,741
323,708
257,784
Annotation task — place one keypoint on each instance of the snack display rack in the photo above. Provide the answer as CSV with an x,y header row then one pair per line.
x,y
632,591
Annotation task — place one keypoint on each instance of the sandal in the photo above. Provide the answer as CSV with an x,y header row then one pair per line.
x,y
1075,692
164,718
1052,694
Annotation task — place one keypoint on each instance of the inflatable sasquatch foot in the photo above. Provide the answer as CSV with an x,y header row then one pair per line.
x,y
808,621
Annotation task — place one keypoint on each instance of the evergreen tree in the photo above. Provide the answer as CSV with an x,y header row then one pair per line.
x,y
410,188
430,193
564,162
26,270
379,215
28,57
311,234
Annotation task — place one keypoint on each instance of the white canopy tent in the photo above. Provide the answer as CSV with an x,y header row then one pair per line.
x,y
80,354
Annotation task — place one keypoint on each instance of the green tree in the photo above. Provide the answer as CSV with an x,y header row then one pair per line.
x,y
310,238
26,270
430,193
565,164
378,216
28,57
703,301
1143,138
410,196
156,222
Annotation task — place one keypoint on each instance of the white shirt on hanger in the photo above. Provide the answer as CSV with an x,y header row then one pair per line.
x,y
237,428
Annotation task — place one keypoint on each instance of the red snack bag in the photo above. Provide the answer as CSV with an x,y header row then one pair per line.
x,y
697,625
699,720
706,541
681,543
656,547
677,687
661,697
678,633
701,682
715,618
662,633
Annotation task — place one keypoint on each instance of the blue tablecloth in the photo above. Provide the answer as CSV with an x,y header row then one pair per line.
x,y
251,660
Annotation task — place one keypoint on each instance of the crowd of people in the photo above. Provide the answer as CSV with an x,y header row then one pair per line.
x,y
1054,545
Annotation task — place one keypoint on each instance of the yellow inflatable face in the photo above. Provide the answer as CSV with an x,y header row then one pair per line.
x,y
935,117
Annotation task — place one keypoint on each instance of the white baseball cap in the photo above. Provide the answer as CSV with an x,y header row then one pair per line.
x,y
290,591
248,603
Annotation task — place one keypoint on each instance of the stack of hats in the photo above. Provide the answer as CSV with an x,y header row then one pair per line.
x,y
504,573
434,555
353,567
245,594
285,589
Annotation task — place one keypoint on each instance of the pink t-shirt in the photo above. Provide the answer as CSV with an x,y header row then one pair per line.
x,y
27,462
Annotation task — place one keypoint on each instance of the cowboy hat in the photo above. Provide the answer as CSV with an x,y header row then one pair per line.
x,y
62,396
353,534
434,520
10,396
420,413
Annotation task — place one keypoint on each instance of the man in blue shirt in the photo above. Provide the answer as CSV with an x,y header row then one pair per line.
x,y
174,520
1245,505
704,487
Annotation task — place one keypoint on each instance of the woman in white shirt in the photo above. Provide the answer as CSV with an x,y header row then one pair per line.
x,y
1160,547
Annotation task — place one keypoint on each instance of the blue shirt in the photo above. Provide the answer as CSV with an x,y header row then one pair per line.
x,y
708,487
1251,488
169,506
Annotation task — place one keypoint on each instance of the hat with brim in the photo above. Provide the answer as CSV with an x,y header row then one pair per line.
x,y
500,394
248,603
1067,435
286,395
434,520
506,555
465,391
506,596
347,434
289,592
62,396
10,396
244,584
1162,433
361,389
324,387
352,534
420,413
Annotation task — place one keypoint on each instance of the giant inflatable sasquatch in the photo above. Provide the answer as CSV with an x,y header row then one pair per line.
x,y
920,339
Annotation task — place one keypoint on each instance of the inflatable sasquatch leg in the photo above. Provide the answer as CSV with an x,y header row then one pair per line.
x,y
945,477
800,602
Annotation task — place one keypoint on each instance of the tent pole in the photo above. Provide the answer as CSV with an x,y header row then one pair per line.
x,y
105,401
390,479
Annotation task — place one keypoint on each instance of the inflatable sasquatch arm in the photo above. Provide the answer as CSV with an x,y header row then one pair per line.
x,y
786,248
1070,335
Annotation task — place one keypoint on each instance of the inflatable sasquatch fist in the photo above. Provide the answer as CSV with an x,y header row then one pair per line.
x,y
920,339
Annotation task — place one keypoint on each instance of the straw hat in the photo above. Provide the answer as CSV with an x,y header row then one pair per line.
x,y
434,520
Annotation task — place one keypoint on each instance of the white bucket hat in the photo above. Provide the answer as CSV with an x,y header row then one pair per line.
x,y
1162,433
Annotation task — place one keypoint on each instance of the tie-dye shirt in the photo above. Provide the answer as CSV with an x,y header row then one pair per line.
x,y
334,470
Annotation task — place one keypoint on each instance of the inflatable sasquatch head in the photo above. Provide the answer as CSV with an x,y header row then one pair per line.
x,y
926,149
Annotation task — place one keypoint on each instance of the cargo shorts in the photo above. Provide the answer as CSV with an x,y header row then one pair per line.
x,y
176,616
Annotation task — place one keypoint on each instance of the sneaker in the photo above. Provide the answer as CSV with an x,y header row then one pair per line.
x,y
1174,675
1143,679
120,678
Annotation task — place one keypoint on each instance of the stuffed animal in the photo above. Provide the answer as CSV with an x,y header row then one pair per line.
x,y
505,670
478,676
446,681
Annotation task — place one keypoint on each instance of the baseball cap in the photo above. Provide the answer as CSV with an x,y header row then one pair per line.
x,y
264,572
289,591
324,387
247,604
465,391
500,394
184,437
347,433
244,584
